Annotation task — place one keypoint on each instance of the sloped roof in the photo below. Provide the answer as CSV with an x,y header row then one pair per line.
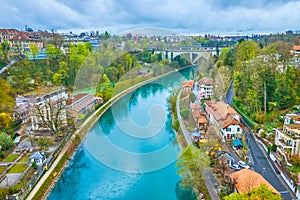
x,y
296,48
37,155
223,113
220,109
202,120
229,120
9,31
247,179
206,81
24,36
195,106
189,84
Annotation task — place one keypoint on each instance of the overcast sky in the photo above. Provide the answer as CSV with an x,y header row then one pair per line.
x,y
185,16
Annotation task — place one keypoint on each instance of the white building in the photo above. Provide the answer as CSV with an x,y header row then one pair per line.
x,y
287,140
205,88
226,119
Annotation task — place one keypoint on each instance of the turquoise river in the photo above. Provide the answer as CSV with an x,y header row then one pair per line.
x,y
131,152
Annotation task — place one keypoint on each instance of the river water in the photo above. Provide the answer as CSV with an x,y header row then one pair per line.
x,y
131,151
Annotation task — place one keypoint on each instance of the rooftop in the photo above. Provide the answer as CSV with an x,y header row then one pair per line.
x,y
42,91
247,179
293,126
219,109
206,81
296,48
188,84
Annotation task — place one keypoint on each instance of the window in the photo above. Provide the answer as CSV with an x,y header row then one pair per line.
x,y
238,129
228,129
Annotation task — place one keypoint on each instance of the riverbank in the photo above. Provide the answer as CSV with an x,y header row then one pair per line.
x,y
54,173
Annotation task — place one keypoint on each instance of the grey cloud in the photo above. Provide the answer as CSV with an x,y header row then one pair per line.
x,y
117,15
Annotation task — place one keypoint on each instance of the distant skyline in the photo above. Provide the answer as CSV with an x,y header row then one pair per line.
x,y
188,17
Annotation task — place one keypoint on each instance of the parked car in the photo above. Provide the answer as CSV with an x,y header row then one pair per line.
x,y
235,167
242,164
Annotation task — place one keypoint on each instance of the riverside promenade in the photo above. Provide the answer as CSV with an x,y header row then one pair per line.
x,y
208,175
93,118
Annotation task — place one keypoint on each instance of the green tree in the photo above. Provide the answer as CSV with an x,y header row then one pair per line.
x,y
105,88
192,97
5,120
44,143
34,50
262,192
191,163
5,141
7,93
5,49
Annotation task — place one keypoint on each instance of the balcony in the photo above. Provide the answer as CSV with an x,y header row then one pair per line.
x,y
283,144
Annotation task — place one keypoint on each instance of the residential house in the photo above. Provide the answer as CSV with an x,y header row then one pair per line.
x,y
38,157
44,104
198,116
227,158
6,34
205,88
225,118
187,86
81,104
287,140
20,43
292,119
246,180
296,53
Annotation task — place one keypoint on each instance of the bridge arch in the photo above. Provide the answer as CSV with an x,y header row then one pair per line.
x,y
193,55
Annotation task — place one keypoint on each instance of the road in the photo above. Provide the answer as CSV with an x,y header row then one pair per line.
x,y
260,161
262,166
7,66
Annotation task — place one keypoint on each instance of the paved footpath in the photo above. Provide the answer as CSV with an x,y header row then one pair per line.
x,y
207,174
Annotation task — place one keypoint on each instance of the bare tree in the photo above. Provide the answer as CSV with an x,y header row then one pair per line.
x,y
222,82
229,183
51,114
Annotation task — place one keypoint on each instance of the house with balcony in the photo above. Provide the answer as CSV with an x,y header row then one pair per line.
x,y
287,140
225,118
205,86
6,34
20,43
292,119
296,53
187,86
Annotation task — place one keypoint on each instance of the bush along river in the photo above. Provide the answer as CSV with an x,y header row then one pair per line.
x,y
131,152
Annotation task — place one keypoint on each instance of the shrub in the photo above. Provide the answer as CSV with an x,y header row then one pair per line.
x,y
263,134
185,114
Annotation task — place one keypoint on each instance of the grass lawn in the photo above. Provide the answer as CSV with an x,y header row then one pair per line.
x,y
18,168
2,168
25,158
11,158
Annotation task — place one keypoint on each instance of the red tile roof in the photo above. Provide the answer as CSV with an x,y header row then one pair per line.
x,y
247,179
223,113
24,36
189,84
296,48
206,81
195,106
202,120
9,31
